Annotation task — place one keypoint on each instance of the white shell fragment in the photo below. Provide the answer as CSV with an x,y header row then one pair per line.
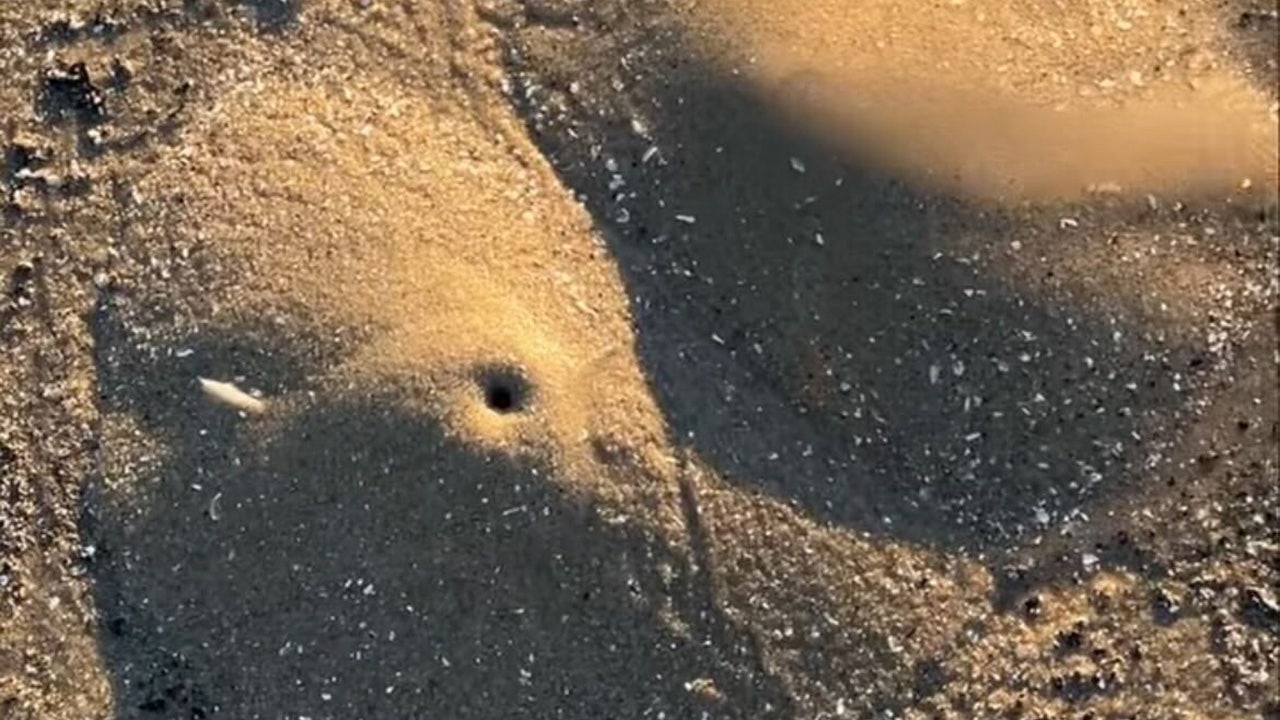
x,y
232,396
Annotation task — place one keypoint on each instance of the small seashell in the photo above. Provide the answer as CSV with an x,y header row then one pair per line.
x,y
232,396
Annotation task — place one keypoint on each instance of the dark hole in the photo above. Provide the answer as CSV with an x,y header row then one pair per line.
x,y
498,397
505,390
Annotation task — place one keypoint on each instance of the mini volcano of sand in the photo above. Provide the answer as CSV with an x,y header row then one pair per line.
x,y
378,209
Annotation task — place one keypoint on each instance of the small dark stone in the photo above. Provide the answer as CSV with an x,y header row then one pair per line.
x,y
1163,608
1207,461
1259,610
20,278
7,456
1032,607
930,678
1076,687
70,95
18,157
121,75
1070,642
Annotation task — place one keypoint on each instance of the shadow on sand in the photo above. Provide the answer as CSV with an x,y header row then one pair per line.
x,y
349,561
825,332
811,328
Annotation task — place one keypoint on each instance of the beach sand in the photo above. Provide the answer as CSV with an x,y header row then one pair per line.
x,y
639,359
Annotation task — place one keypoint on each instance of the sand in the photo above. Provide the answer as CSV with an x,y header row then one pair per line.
x,y
1014,101
653,359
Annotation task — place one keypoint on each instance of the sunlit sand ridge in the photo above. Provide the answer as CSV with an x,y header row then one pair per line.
x,y
1015,101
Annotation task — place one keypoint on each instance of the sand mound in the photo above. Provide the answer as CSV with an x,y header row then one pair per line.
x,y
477,272
483,304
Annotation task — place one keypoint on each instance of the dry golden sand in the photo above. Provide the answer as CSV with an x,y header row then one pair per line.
x,y
1013,101
465,255
448,236
367,169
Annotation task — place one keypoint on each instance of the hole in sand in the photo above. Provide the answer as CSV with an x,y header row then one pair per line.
x,y
499,397
505,390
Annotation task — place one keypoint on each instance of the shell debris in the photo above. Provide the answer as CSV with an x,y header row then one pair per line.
x,y
232,396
